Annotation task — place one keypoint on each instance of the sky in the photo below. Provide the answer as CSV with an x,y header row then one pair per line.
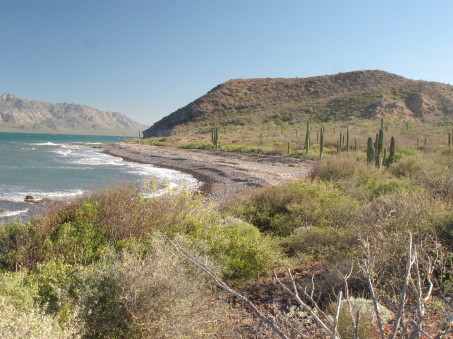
x,y
147,58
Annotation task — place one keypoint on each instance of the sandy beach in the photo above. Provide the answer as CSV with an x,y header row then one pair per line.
x,y
222,174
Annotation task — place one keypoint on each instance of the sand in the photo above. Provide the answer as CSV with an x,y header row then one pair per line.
x,y
222,174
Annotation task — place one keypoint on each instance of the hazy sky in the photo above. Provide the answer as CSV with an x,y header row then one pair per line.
x,y
147,58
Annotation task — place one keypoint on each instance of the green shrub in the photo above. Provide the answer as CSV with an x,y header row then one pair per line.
x,y
327,244
198,145
31,323
357,178
240,249
280,209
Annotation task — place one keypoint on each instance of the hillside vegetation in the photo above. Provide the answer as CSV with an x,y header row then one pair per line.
x,y
105,266
340,97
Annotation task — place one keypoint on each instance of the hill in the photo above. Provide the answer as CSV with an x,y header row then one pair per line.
x,y
20,115
359,94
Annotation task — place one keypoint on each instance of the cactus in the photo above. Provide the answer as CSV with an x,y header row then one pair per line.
x,y
317,136
261,139
370,150
215,136
449,139
382,123
321,143
307,139
418,141
288,148
381,141
391,159
355,144
296,132
340,144
425,141
347,140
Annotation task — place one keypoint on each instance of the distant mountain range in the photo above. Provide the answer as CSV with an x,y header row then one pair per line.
x,y
352,95
20,115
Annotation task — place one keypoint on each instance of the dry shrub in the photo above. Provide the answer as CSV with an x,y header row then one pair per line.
x,y
152,295
357,178
433,171
281,209
335,168
30,323
125,213
368,321
386,221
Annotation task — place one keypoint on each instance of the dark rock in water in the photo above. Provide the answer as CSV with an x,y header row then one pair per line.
x,y
29,198
2,211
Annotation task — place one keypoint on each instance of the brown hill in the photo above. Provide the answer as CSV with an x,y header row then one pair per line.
x,y
360,94
18,114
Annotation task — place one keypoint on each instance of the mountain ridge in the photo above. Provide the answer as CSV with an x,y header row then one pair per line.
x,y
22,115
358,94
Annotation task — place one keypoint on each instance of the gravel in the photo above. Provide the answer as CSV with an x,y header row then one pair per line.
x,y
222,174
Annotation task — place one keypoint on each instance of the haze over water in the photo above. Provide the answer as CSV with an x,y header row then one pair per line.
x,y
59,167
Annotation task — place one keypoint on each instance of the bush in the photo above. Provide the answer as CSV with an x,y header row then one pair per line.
x,y
240,249
368,322
327,244
80,231
198,145
386,221
357,178
149,295
282,209
32,323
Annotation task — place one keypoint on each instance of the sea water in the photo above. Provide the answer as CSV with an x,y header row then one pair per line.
x,y
62,167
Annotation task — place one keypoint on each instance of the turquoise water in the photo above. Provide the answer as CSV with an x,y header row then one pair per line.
x,y
60,167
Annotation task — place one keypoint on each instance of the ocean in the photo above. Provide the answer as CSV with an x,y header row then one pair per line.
x,y
62,167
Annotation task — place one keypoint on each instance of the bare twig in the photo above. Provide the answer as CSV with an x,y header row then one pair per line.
x,y
368,265
315,305
411,257
357,324
295,294
224,286
337,313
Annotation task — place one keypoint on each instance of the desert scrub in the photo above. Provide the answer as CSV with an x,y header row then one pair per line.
x,y
327,245
30,323
242,252
198,145
80,231
281,209
149,295
357,178
386,221
368,322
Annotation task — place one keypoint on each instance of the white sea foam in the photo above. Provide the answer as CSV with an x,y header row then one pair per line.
x,y
12,213
19,196
48,143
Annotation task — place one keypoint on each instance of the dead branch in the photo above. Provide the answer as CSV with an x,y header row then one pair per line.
x,y
411,258
368,266
224,286
295,294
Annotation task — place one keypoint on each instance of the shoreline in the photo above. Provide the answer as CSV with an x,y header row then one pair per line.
x,y
221,174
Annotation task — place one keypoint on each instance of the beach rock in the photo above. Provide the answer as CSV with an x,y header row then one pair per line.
x,y
2,211
29,198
